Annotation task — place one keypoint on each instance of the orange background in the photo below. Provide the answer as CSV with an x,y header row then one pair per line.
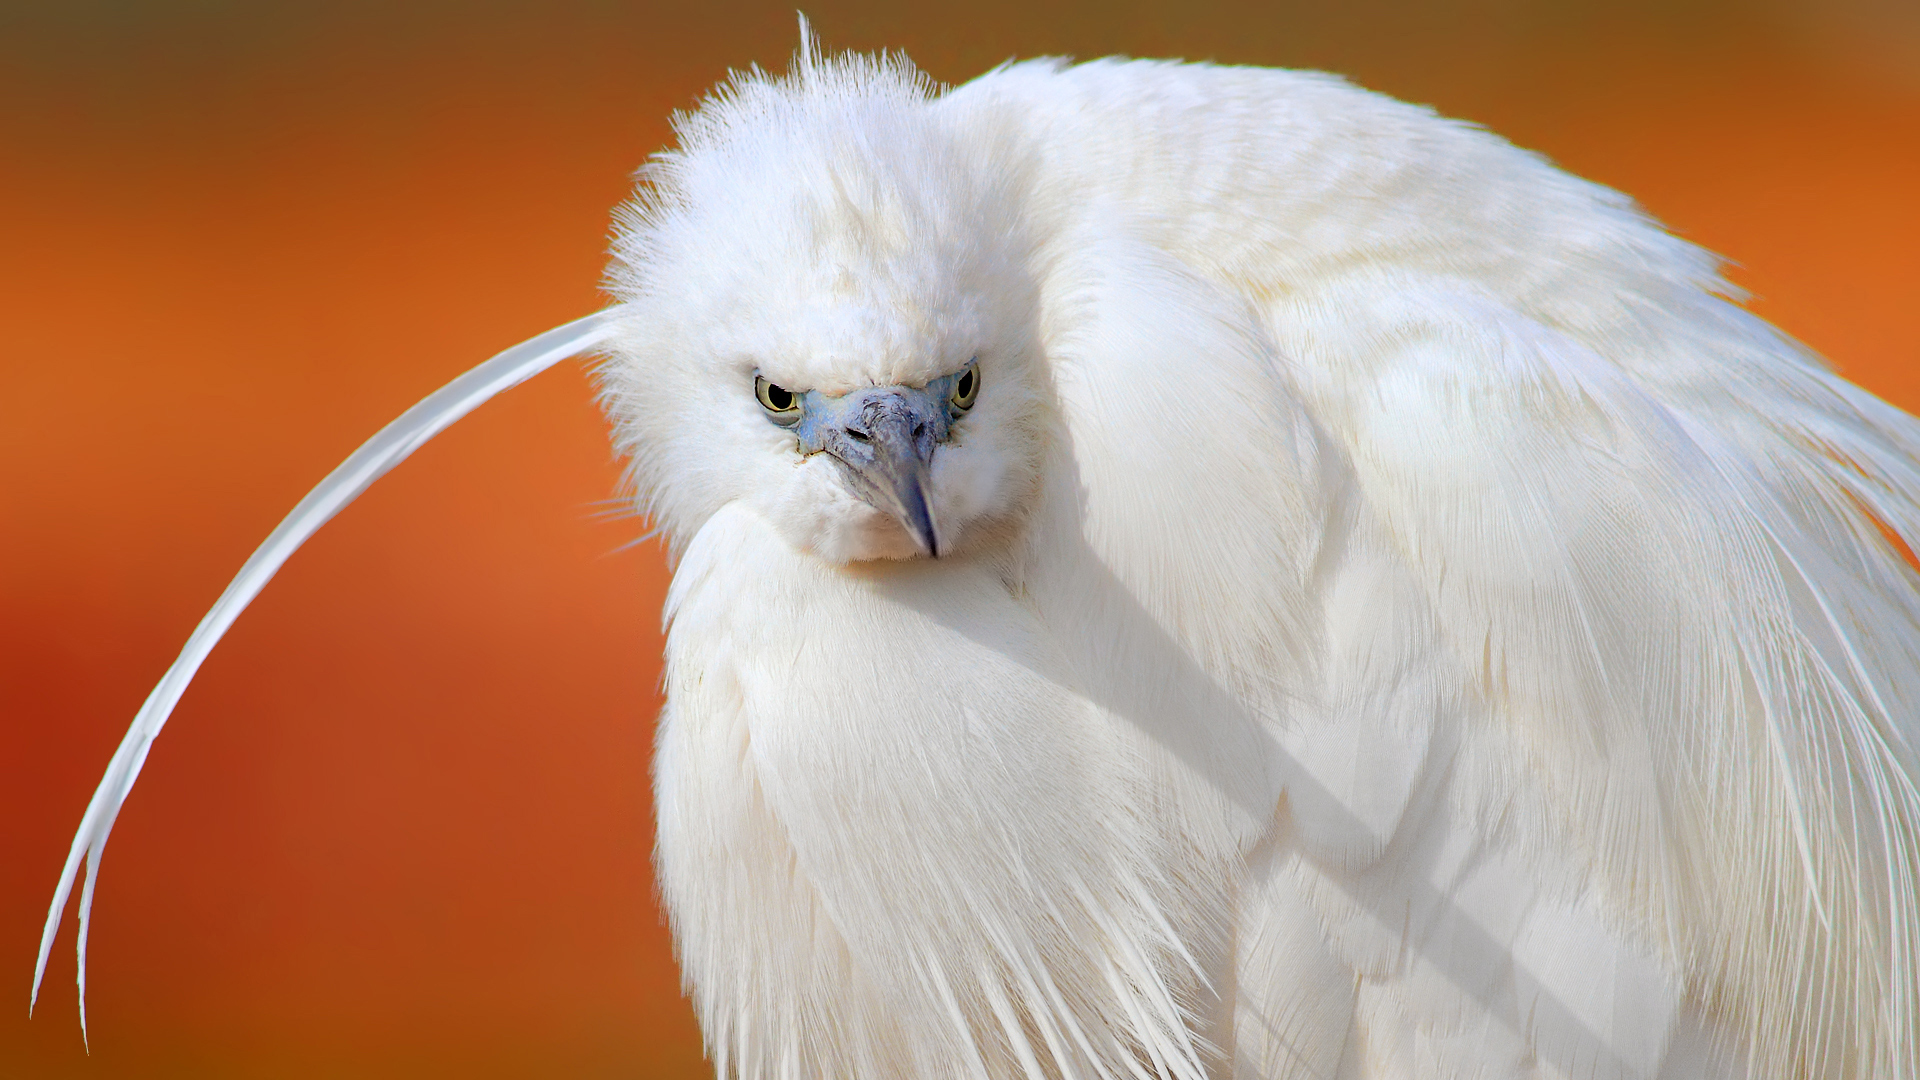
x,y
400,826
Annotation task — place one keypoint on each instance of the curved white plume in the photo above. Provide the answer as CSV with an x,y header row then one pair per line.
x,y
412,430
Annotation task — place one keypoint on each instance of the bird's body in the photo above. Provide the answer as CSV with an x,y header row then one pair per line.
x,y
1378,609
1429,631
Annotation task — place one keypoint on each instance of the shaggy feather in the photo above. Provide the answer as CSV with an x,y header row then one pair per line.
x,y
1454,567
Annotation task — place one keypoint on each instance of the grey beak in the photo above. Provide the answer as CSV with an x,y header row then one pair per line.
x,y
886,445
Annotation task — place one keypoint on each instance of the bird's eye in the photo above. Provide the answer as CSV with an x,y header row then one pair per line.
x,y
782,403
966,389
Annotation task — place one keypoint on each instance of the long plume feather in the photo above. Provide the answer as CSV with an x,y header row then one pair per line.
x,y
412,430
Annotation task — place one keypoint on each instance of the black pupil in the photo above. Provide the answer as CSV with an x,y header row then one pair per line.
x,y
779,397
965,387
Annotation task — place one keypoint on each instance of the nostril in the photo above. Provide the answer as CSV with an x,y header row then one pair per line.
x,y
919,430
857,435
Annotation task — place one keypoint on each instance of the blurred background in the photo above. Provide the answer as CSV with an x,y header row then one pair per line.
x,y
401,824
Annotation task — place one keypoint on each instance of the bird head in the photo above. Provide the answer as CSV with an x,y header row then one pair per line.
x,y
829,314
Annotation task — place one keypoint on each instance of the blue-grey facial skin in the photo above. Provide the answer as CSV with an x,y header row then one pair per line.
x,y
884,438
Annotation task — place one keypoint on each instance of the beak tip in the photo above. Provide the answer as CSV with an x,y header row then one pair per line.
x,y
917,516
924,537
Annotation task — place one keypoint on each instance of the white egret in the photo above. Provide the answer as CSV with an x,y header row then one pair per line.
x,y
1188,571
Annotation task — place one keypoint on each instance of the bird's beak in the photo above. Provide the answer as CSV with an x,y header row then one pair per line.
x,y
885,439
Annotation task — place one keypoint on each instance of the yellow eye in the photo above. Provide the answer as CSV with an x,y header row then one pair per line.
x,y
783,403
966,389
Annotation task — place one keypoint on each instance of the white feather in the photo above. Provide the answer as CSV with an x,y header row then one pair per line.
x,y
389,447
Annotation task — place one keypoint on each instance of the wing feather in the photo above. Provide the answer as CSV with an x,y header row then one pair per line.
x,y
1663,547
1700,640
